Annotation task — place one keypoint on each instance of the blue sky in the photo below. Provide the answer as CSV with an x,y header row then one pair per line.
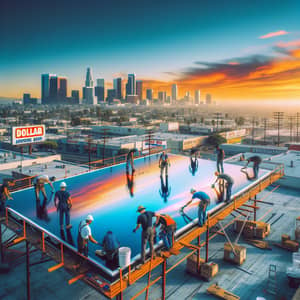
x,y
149,38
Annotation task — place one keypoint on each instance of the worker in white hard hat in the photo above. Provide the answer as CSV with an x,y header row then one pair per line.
x,y
39,186
85,235
63,204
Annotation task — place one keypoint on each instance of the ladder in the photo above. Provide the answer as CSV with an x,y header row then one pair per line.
x,y
272,281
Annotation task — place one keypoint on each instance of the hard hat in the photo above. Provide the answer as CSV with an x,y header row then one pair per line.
x,y
192,190
63,184
89,218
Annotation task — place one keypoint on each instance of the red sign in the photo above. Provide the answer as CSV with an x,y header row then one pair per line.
x,y
28,134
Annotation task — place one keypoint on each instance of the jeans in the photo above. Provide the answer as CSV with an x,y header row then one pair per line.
x,y
220,167
167,237
147,236
64,212
228,191
255,170
164,166
201,215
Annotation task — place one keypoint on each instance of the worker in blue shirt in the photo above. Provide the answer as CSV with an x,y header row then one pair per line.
x,y
202,207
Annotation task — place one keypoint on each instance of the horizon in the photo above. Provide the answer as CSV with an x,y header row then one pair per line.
x,y
233,51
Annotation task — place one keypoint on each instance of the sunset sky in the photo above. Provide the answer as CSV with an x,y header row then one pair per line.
x,y
234,49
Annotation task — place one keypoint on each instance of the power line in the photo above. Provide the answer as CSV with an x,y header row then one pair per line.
x,y
278,116
291,126
297,126
218,115
265,120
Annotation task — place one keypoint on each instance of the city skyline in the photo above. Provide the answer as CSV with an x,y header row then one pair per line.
x,y
233,51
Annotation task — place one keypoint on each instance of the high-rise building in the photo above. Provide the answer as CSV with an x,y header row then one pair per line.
x,y
149,94
111,95
27,100
197,97
208,99
62,87
162,96
118,88
132,99
75,97
45,87
131,85
89,79
100,90
88,90
139,89
53,89
174,92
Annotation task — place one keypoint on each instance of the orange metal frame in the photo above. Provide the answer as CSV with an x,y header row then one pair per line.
x,y
117,288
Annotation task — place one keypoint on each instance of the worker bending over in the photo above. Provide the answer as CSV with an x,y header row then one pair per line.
x,y
85,235
256,162
202,206
229,183
167,229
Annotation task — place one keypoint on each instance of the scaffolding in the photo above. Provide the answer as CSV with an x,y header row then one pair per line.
x,y
91,272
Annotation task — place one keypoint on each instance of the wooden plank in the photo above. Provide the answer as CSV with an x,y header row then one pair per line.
x,y
217,291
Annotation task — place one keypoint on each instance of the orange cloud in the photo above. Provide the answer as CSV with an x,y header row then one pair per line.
x,y
290,44
251,77
273,34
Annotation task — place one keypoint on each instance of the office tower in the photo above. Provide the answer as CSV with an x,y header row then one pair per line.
x,y
149,94
111,95
118,88
131,85
75,97
45,87
53,89
62,88
89,79
162,96
197,97
174,92
139,89
88,90
208,99
27,100
100,90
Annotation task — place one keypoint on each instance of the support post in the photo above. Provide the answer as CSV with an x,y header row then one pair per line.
x,y
207,239
27,270
254,214
163,283
1,246
198,253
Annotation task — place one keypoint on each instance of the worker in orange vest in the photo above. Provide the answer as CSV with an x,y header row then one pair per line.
x,y
167,229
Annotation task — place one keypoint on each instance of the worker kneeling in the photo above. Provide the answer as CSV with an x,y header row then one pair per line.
x,y
167,229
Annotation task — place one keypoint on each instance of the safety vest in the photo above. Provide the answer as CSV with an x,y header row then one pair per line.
x,y
169,221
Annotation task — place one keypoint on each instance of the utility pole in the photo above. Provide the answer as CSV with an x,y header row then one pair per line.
x,y
149,138
297,126
253,128
291,125
265,120
104,137
89,150
278,116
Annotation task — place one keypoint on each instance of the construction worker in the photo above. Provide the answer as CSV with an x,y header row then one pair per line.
x,y
164,163
256,162
167,229
63,204
4,196
145,220
111,246
202,206
194,162
85,235
229,183
220,158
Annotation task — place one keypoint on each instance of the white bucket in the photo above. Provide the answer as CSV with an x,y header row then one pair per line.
x,y
124,256
260,298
